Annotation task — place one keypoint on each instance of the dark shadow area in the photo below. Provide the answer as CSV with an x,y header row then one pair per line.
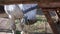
x,y
39,12
2,9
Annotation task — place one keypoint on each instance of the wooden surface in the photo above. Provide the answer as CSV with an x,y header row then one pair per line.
x,y
50,21
3,15
5,23
41,3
